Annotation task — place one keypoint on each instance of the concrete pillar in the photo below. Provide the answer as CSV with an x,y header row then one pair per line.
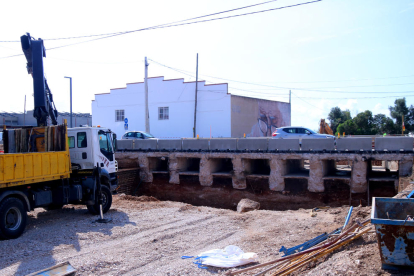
x,y
239,180
316,173
205,177
405,170
144,171
359,183
277,171
173,168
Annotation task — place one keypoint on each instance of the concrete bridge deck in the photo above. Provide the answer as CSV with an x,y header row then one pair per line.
x,y
276,168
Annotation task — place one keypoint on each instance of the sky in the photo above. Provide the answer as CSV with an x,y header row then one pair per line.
x,y
358,55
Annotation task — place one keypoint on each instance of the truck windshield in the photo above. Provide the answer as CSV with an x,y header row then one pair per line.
x,y
105,144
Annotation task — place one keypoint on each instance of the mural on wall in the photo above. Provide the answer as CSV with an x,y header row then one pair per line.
x,y
271,115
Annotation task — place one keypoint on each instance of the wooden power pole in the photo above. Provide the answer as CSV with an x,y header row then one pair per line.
x,y
195,106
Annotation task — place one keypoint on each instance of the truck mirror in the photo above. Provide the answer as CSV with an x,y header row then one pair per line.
x,y
115,142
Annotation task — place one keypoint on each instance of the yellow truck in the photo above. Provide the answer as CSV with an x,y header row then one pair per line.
x,y
50,165
53,166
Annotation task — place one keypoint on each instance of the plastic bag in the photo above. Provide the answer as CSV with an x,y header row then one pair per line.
x,y
231,256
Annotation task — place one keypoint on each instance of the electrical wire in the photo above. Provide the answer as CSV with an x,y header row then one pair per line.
x,y
293,88
179,24
194,18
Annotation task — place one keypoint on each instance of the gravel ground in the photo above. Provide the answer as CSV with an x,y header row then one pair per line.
x,y
148,237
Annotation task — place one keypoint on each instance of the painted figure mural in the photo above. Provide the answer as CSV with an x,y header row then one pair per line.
x,y
271,115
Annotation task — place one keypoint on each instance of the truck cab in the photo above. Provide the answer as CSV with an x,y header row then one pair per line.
x,y
89,146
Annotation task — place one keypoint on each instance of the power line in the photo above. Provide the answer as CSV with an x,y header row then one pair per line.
x,y
194,18
280,88
307,102
356,98
366,79
180,24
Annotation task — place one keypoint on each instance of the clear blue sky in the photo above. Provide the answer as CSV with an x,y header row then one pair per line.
x,y
336,46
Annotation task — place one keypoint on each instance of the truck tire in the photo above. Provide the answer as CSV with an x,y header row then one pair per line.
x,y
13,218
106,205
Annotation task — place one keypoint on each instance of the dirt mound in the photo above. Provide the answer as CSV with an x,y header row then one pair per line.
x,y
139,198
187,207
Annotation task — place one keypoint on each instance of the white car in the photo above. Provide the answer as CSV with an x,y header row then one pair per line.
x,y
137,135
290,132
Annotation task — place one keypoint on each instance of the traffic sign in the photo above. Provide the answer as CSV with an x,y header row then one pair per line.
x,y
126,120
126,126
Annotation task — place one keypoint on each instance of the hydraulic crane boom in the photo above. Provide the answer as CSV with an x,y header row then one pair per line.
x,y
44,106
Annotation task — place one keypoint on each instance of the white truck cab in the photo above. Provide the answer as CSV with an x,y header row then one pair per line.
x,y
89,146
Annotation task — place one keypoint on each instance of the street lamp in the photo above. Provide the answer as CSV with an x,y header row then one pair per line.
x,y
70,100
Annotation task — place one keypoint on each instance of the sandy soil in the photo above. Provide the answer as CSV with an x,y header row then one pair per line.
x,y
148,237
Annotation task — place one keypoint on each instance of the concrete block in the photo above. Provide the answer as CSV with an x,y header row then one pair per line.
x,y
284,144
195,144
169,144
354,144
223,144
359,183
124,144
145,144
318,144
252,144
394,143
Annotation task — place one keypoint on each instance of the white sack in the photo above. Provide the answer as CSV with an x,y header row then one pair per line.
x,y
231,256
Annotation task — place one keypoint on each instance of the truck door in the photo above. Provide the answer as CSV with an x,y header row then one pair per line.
x,y
80,145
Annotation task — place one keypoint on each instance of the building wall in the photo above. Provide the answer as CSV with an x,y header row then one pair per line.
x,y
257,117
20,119
213,108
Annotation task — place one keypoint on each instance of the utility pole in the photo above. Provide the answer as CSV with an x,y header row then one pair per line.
x,y
290,106
195,106
24,113
147,125
71,125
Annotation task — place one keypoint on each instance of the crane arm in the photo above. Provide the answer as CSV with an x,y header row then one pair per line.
x,y
44,106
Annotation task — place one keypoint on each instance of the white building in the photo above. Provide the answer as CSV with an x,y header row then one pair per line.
x,y
171,110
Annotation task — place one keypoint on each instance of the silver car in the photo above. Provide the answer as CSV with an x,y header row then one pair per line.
x,y
137,135
290,132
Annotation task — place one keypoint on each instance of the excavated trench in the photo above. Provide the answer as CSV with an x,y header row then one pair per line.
x,y
278,182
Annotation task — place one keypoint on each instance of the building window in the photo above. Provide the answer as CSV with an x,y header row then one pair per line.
x,y
163,113
119,115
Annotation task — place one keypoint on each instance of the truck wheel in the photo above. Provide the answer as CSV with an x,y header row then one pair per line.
x,y
13,218
106,204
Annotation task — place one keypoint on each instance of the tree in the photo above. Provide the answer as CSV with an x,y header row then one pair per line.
x,y
383,124
349,127
337,117
364,123
398,110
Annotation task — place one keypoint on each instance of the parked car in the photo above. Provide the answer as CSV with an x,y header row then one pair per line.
x,y
290,132
137,135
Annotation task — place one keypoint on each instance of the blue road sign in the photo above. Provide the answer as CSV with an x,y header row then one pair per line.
x,y
126,120
126,126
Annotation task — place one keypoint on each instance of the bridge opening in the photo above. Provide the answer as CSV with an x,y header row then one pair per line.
x,y
383,170
337,169
297,168
158,164
257,167
221,166
188,166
